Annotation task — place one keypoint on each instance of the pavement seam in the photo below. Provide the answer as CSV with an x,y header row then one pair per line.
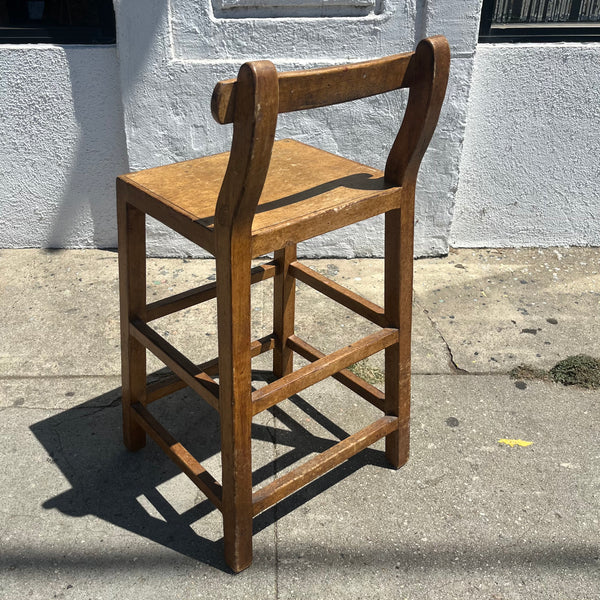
x,y
97,409
265,304
273,436
451,362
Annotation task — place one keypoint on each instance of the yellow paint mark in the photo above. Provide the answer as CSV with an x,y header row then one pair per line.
x,y
513,443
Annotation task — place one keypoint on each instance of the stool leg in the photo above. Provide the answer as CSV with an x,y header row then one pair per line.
x,y
283,311
132,289
235,402
398,311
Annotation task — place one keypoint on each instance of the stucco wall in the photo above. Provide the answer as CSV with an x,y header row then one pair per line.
x,y
173,52
530,171
73,117
61,125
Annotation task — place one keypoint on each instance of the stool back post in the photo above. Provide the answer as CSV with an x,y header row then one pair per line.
x,y
426,77
255,108
255,119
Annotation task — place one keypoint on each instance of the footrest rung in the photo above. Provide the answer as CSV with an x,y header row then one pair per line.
x,y
322,368
171,304
313,468
207,484
338,293
204,385
350,380
172,383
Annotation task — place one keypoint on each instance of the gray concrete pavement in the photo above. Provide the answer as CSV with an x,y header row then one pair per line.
x,y
467,517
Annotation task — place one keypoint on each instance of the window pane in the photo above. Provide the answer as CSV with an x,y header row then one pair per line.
x,y
61,21
546,11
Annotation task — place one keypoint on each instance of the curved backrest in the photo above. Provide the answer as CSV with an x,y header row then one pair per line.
x,y
312,88
253,100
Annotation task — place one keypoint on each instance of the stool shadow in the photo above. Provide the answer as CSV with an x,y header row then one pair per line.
x,y
107,481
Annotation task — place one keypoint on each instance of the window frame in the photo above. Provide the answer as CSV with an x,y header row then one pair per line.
x,y
102,34
569,31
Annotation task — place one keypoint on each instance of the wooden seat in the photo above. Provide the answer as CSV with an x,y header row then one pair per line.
x,y
265,196
303,186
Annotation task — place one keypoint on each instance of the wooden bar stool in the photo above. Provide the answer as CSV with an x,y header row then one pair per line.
x,y
266,196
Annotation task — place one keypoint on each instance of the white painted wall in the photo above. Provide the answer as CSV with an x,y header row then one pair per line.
x,y
530,171
61,125
172,53
73,117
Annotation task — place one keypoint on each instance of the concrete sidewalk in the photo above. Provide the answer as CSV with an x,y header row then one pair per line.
x,y
467,517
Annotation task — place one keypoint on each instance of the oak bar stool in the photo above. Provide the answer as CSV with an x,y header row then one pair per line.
x,y
266,196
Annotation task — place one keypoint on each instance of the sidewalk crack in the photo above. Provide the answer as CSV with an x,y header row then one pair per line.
x,y
97,409
451,361
60,453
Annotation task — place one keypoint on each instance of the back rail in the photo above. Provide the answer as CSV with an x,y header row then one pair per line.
x,y
313,88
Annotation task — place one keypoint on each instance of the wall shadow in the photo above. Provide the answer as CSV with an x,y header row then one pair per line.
x,y
100,79
86,214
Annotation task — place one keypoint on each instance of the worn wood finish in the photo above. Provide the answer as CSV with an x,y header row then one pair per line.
x,y
398,292
267,196
203,293
321,217
313,88
428,75
339,293
295,382
306,192
253,136
179,455
172,383
166,210
233,308
359,386
204,385
132,292
316,466
284,298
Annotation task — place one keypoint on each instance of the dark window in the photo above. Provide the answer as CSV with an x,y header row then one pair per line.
x,y
540,21
57,21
